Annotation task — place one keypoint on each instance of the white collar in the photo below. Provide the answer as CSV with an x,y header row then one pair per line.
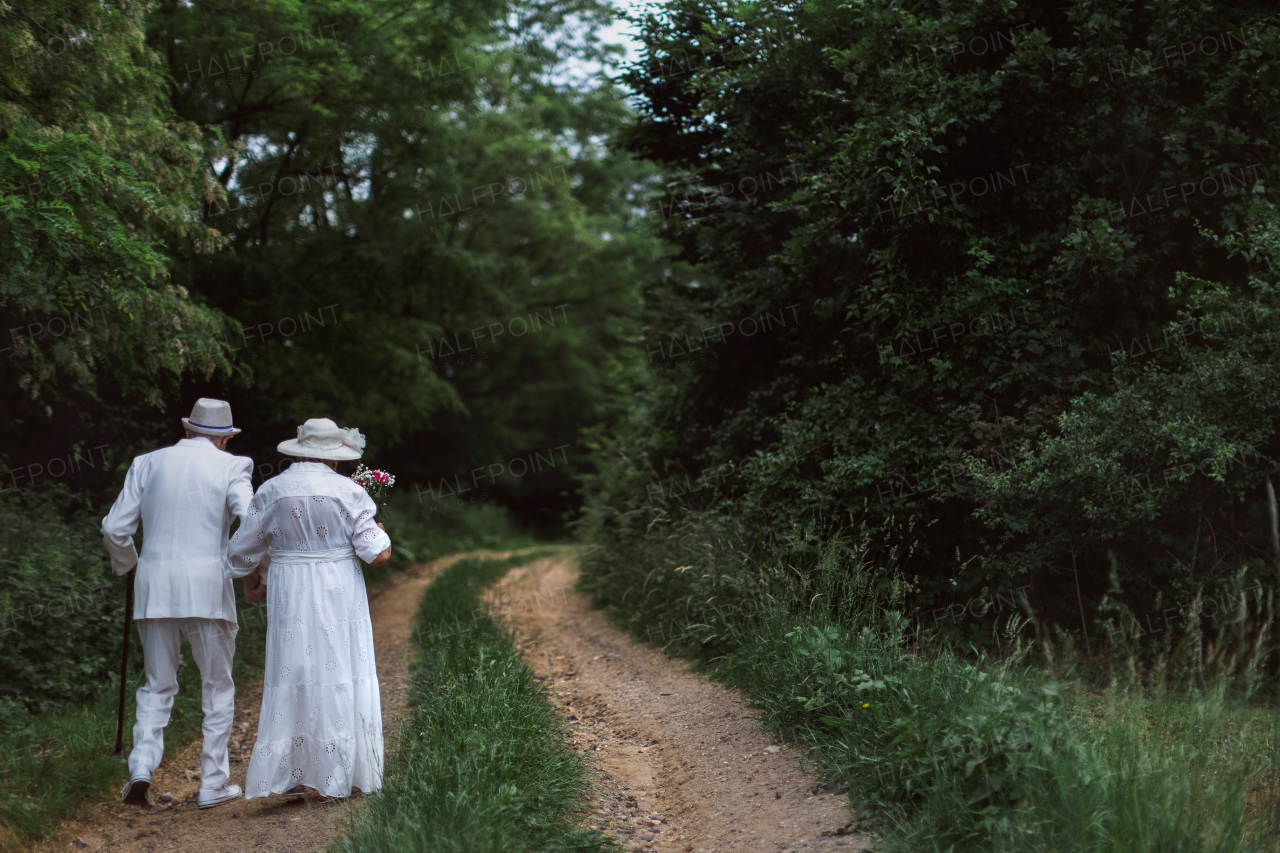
x,y
311,466
199,442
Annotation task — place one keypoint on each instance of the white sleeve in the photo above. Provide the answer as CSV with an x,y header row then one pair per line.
x,y
240,492
367,538
121,522
251,542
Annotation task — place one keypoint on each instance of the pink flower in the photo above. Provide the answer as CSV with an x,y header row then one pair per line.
x,y
373,481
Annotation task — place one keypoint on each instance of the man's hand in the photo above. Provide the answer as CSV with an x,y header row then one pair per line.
x,y
254,589
385,555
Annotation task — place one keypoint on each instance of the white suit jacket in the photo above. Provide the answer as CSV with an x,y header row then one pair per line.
x,y
185,497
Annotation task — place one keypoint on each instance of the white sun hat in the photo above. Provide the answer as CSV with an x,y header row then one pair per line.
x,y
210,417
321,438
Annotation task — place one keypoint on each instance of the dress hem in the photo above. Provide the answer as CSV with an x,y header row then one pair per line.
x,y
249,796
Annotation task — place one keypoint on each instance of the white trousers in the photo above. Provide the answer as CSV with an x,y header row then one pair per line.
x,y
213,645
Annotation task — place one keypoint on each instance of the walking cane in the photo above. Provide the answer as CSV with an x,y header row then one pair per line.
x,y
124,660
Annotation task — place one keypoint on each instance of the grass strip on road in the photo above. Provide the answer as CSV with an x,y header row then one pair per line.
x,y
482,763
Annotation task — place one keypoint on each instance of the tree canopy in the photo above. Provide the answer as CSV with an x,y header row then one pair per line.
x,y
996,205
405,217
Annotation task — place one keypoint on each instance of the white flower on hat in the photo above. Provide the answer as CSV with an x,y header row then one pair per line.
x,y
352,437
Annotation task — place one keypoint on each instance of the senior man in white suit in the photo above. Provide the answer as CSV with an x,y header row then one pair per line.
x,y
185,497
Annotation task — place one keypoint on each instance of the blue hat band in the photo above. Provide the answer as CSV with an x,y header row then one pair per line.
x,y
202,426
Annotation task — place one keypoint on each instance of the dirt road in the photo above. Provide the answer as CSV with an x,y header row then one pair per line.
x,y
681,764
274,824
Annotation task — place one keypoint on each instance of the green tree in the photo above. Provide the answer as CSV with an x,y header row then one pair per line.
x,y
1168,466
96,176
993,200
432,238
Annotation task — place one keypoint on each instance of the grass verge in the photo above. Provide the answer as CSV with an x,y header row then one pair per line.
x,y
481,764
946,748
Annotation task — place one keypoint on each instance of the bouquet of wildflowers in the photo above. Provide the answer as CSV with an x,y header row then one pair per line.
x,y
376,483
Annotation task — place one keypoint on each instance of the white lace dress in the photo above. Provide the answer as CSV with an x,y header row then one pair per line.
x,y
321,722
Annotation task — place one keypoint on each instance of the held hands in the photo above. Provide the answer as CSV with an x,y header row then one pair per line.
x,y
254,589
385,555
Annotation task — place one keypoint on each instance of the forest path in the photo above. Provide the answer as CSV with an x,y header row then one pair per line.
x,y
273,824
679,761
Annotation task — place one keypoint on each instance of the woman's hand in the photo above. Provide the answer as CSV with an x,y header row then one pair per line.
x,y
254,589
385,555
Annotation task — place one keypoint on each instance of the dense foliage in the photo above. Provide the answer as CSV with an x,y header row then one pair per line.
x,y
261,202
1172,459
405,218
95,177
430,239
55,574
935,230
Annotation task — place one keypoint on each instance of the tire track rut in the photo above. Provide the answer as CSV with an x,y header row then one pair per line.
x,y
680,761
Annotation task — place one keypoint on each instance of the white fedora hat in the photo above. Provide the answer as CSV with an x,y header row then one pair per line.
x,y
321,438
210,417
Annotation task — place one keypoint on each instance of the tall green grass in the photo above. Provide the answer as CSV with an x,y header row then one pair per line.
x,y
950,748
481,765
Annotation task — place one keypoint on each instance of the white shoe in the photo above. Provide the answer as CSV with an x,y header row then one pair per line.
x,y
233,792
135,791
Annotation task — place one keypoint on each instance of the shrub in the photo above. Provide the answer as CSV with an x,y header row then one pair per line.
x,y
56,573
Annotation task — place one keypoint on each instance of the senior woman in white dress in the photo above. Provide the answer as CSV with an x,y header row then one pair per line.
x,y
321,720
